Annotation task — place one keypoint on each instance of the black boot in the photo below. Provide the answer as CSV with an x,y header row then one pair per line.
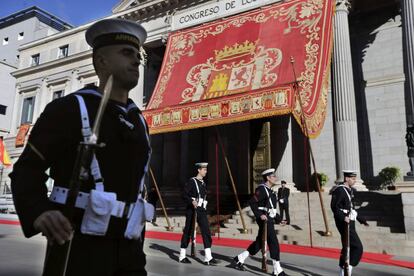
x,y
212,262
280,274
185,261
238,265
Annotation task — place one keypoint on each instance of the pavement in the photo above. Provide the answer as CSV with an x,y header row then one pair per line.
x,y
24,257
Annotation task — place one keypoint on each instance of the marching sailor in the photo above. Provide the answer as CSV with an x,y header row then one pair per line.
x,y
344,213
195,197
263,205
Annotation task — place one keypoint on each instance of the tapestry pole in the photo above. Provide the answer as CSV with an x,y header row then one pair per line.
x,y
217,192
305,128
244,230
169,227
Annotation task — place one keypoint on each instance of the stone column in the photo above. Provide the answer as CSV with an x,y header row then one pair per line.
x,y
74,82
407,8
284,171
16,111
42,99
137,93
285,168
344,109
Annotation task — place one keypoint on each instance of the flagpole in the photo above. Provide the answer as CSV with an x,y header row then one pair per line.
x,y
1,177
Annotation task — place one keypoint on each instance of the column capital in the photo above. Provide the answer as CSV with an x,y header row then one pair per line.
x,y
343,5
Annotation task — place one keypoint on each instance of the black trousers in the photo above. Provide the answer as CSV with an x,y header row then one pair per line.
x,y
202,223
284,208
100,256
272,241
355,245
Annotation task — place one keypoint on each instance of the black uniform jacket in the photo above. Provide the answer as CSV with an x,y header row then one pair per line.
x,y
190,191
283,193
340,201
53,145
260,199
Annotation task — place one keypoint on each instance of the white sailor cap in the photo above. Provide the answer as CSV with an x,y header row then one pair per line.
x,y
115,31
268,172
200,165
349,173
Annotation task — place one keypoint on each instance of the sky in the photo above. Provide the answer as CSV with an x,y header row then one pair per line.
x,y
75,12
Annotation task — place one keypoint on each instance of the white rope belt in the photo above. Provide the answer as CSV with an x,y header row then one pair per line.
x,y
59,195
200,202
345,211
263,208
352,214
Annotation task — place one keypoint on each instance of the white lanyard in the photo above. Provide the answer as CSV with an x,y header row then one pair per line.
x,y
87,132
349,196
141,185
268,196
196,184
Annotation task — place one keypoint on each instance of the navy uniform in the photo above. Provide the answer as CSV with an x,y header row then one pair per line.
x,y
264,202
342,206
122,162
283,196
196,190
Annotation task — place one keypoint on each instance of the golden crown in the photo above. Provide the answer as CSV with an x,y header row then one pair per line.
x,y
237,50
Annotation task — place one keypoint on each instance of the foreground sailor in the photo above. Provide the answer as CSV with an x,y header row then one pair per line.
x,y
263,205
112,245
344,213
195,195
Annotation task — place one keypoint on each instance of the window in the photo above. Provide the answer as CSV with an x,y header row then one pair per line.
x,y
63,51
3,109
20,36
5,41
35,59
57,94
27,110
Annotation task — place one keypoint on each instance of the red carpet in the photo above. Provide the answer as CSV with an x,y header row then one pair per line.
x,y
332,253
11,222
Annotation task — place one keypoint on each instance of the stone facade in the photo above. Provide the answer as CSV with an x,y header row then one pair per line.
x,y
16,30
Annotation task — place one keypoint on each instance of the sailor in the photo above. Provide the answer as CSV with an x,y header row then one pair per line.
x,y
343,208
195,198
263,205
283,196
108,240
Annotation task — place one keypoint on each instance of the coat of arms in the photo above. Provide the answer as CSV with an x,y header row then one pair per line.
x,y
233,69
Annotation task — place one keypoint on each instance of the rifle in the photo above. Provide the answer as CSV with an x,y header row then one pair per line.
x,y
347,252
264,245
194,238
57,256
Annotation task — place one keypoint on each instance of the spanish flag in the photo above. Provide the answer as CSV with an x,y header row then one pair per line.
x,y
4,156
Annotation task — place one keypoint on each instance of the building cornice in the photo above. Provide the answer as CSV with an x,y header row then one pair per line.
x,y
7,64
57,81
138,12
52,64
34,11
28,88
141,10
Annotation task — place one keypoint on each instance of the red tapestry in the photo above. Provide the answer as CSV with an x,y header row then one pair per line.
x,y
240,68
21,135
